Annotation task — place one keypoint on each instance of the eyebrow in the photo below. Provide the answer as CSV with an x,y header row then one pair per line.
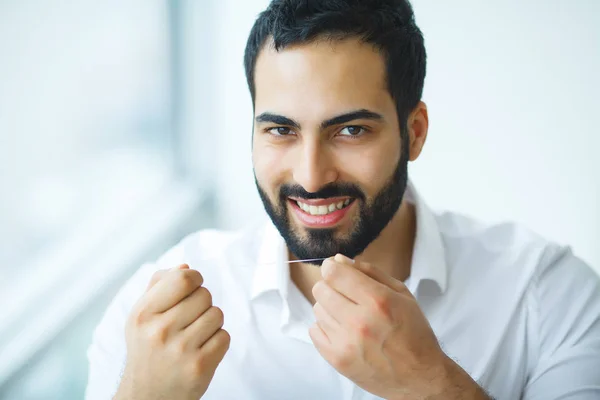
x,y
277,119
351,116
337,120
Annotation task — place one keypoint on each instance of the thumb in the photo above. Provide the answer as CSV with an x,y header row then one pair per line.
x,y
158,275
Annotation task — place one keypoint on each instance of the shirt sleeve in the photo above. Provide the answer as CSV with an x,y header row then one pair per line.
x,y
107,353
565,302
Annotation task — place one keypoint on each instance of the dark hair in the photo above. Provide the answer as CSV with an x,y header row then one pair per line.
x,y
389,25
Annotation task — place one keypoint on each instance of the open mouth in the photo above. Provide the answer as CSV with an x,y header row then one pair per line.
x,y
321,213
323,209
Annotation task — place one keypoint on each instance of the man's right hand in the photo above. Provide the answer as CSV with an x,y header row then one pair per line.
x,y
174,339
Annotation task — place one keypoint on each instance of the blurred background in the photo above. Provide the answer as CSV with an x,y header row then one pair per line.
x,y
125,125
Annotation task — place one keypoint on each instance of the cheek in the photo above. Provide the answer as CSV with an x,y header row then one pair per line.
x,y
269,166
372,167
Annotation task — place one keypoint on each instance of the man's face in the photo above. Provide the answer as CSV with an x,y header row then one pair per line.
x,y
327,153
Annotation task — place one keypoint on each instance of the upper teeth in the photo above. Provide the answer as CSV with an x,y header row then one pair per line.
x,y
324,209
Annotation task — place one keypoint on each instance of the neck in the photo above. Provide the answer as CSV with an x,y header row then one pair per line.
x,y
391,252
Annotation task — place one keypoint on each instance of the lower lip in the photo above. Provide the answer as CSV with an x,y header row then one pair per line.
x,y
319,221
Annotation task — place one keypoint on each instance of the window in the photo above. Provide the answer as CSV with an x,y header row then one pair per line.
x,y
87,157
84,117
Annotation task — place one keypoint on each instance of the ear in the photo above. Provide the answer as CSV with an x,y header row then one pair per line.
x,y
418,125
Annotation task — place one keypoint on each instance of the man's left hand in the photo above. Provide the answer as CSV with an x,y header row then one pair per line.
x,y
371,329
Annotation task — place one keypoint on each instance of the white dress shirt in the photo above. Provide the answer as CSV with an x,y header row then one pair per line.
x,y
519,314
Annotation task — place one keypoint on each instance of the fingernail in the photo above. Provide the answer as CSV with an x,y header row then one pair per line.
x,y
183,266
342,258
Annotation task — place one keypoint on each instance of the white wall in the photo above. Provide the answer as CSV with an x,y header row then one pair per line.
x,y
512,89
236,191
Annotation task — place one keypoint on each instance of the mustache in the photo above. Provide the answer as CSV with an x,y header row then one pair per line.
x,y
333,189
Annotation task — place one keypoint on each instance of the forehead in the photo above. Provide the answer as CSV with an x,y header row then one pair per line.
x,y
321,79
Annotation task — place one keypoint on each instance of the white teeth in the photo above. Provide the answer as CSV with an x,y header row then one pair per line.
x,y
324,209
302,205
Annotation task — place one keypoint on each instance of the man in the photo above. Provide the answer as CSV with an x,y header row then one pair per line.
x,y
407,304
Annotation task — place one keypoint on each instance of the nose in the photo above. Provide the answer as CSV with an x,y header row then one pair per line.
x,y
315,167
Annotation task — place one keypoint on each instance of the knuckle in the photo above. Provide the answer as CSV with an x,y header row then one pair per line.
x,y
367,267
331,271
187,280
343,359
328,295
337,362
324,291
180,348
196,276
383,305
317,289
156,276
219,316
193,370
136,318
226,340
348,350
205,295
363,329
202,365
157,334
223,341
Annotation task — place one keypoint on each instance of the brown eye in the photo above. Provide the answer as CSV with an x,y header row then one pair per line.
x,y
352,130
280,131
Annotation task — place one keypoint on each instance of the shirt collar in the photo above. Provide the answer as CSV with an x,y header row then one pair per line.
x,y
428,260
271,272
429,255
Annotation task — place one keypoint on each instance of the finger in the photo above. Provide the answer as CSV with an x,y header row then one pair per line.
x,y
381,277
373,272
326,321
189,309
339,307
349,281
158,275
215,348
174,287
203,328
319,337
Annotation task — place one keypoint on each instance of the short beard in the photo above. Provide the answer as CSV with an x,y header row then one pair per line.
x,y
372,218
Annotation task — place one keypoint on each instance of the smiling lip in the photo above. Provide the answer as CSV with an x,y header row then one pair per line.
x,y
321,202
320,221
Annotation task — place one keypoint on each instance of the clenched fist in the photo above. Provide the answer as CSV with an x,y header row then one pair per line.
x,y
174,339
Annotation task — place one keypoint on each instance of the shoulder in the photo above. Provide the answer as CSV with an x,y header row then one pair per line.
x,y
464,231
512,267
505,245
507,255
